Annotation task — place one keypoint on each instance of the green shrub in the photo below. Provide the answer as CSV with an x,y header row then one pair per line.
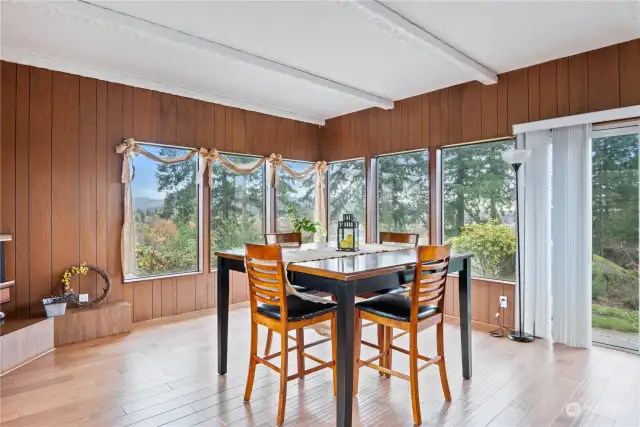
x,y
614,285
493,246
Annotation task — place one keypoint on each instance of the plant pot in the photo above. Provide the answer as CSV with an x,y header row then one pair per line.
x,y
57,309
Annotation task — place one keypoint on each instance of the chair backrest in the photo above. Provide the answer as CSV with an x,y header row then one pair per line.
x,y
430,280
283,239
265,272
406,238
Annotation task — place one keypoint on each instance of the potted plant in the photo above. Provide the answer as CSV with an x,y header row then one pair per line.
x,y
55,305
302,223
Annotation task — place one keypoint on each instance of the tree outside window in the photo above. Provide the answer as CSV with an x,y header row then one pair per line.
x,y
346,194
165,205
237,205
299,192
479,206
403,193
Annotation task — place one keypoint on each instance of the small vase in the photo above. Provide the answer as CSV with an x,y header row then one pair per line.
x,y
57,309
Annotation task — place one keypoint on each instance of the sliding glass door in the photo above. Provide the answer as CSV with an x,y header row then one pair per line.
x,y
615,235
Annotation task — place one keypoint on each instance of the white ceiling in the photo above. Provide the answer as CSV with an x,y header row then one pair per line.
x,y
307,60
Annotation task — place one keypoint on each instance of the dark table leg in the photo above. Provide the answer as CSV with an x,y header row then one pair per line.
x,y
223,315
464,291
346,300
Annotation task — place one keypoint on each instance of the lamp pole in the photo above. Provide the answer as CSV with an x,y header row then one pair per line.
x,y
516,158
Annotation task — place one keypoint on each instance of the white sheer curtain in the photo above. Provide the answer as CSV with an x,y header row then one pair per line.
x,y
571,236
535,228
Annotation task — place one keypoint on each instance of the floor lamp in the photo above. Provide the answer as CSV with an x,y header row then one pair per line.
x,y
516,158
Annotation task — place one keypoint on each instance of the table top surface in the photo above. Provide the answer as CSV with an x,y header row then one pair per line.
x,y
354,267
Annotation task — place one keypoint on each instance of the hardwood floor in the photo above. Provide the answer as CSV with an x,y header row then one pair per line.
x,y
164,374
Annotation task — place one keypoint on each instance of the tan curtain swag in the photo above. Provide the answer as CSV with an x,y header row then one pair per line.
x,y
206,158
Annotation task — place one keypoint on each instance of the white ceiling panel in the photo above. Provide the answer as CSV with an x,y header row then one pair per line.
x,y
307,60
508,35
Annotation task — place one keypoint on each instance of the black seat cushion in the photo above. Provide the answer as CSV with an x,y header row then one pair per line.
x,y
405,277
298,309
395,307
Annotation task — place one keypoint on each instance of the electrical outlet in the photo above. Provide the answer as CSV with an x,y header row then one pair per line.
x,y
83,298
503,302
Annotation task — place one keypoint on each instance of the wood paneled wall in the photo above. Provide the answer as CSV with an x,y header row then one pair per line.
x,y
592,81
60,180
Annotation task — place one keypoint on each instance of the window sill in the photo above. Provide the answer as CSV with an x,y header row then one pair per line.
x,y
496,281
166,276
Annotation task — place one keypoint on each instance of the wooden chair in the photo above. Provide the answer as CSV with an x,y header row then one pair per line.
x,y
410,239
293,239
423,308
279,312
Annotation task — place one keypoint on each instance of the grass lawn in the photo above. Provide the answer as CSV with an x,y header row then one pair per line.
x,y
617,319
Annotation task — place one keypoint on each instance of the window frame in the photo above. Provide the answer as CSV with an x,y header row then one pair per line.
x,y
213,267
374,226
366,192
199,212
440,192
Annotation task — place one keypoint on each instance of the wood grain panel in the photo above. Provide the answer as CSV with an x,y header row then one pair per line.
x,y
548,91
360,129
534,93
156,116
489,113
414,105
128,297
380,129
444,116
186,122
39,189
8,172
471,112
404,123
185,294
562,74
603,75
211,290
228,127
629,75
517,99
143,301
435,139
169,307
283,138
396,128
102,158
64,177
142,115
578,84
239,132
87,180
21,239
157,299
501,116
426,120
114,188
455,115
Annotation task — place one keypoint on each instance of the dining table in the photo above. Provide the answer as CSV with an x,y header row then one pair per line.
x,y
346,277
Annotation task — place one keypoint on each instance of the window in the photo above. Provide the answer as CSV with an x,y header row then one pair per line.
x,y
166,221
293,194
346,194
403,193
615,186
479,206
237,205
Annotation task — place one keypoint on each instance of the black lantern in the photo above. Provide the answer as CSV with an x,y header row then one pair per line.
x,y
348,233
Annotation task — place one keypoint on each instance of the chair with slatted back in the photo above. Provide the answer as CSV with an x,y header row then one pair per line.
x,y
273,308
294,240
421,309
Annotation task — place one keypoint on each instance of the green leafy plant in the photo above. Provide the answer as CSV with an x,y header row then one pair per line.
x,y
301,222
493,246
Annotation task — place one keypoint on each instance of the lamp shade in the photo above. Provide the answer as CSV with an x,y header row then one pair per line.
x,y
516,157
